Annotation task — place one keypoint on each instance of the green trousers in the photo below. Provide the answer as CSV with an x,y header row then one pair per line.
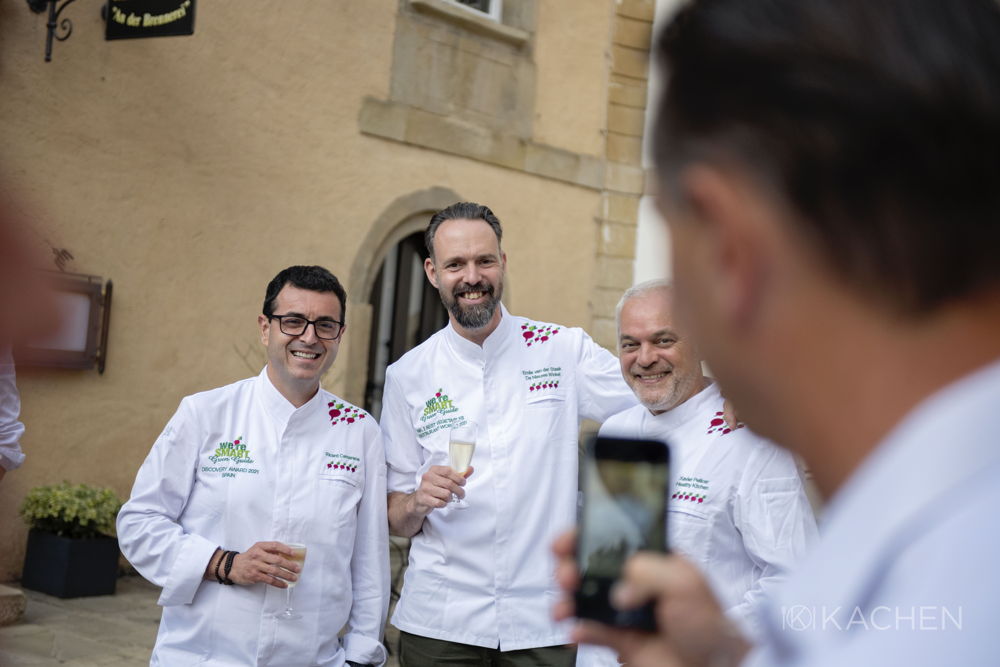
x,y
416,651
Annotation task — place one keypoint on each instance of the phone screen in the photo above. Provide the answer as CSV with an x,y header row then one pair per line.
x,y
623,510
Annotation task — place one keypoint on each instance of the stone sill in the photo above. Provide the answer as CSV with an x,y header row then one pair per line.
x,y
409,125
471,20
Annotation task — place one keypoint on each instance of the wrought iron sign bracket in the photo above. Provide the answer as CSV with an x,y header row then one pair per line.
x,y
65,27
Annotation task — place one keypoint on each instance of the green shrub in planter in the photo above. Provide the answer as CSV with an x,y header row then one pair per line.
x,y
71,551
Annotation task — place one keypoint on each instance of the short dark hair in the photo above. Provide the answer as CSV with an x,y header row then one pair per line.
x,y
312,278
463,210
876,122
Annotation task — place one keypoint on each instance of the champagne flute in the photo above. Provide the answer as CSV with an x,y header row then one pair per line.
x,y
461,445
299,556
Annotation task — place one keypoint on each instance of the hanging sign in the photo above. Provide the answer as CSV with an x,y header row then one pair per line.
x,y
149,18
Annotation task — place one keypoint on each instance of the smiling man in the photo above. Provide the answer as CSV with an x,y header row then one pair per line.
x,y
829,172
244,471
737,508
480,579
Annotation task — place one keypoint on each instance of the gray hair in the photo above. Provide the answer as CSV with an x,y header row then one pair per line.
x,y
639,290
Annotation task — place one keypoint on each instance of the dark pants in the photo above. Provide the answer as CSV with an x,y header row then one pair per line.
x,y
416,651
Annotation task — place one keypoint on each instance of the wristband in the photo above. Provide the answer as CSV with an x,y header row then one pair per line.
x,y
229,567
222,557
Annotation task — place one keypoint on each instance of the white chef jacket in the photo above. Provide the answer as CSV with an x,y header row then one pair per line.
x,y
239,465
906,572
11,429
737,507
484,576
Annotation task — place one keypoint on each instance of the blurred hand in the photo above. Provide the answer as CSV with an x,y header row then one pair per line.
x,y
730,415
28,307
694,632
436,487
266,563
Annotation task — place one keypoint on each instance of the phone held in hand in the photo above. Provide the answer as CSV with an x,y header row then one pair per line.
x,y
622,509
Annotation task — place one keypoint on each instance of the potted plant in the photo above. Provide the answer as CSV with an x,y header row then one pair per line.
x,y
71,549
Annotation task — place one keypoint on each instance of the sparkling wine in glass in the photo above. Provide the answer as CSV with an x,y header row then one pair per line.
x,y
461,445
299,556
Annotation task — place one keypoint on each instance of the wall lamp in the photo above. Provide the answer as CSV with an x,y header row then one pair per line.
x,y
65,27
81,341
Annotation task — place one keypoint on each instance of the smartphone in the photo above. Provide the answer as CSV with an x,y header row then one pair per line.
x,y
622,508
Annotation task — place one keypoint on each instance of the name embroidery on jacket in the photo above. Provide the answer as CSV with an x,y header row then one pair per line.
x,y
688,486
536,334
540,379
345,462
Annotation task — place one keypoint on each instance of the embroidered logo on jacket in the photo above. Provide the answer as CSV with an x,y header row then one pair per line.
x,y
537,333
718,424
340,412
232,453
235,451
438,404
693,497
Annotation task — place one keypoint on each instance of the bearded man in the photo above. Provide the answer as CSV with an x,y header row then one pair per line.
x,y
480,580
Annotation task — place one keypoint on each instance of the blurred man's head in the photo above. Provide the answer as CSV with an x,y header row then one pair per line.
x,y
877,138
658,361
466,263
824,165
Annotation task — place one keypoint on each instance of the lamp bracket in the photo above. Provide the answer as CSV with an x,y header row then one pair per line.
x,y
60,30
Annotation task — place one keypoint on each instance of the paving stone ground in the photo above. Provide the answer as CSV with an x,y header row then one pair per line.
x,y
104,631
109,630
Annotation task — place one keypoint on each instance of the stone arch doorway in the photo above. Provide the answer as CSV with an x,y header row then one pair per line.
x,y
391,305
406,311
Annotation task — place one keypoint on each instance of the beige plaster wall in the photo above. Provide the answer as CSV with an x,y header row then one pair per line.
x,y
191,169
572,102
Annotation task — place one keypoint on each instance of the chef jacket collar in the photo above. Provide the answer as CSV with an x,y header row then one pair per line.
x,y
695,407
278,407
494,343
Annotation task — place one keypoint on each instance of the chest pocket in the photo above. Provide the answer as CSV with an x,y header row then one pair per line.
x,y
690,530
547,398
338,494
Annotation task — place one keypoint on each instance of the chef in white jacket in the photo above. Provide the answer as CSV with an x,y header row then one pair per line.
x,y
11,429
242,471
480,579
737,507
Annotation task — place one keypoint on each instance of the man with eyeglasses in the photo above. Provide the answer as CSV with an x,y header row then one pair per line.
x,y
242,472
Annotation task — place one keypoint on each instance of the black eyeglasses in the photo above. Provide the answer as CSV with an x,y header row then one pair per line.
x,y
293,325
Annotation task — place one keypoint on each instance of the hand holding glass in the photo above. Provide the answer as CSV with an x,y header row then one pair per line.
x,y
461,445
299,556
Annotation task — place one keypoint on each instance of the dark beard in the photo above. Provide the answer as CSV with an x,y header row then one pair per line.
x,y
477,316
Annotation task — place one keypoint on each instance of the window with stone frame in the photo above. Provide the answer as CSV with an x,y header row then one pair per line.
x,y
491,8
451,59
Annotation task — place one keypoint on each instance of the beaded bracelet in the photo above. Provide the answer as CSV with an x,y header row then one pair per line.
x,y
229,567
217,564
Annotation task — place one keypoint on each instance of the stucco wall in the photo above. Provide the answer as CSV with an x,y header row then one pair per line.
x,y
191,169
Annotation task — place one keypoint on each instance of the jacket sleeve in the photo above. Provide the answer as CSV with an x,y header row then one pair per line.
x,y
602,391
11,429
774,516
148,530
402,450
370,564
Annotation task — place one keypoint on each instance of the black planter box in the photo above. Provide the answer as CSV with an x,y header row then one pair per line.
x,y
70,568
